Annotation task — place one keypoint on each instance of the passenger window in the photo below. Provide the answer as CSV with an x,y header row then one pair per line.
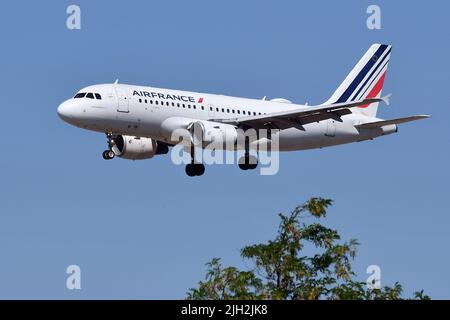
x,y
178,105
203,108
193,106
217,109
173,104
254,113
156,102
90,95
210,108
223,110
80,95
228,110
232,110
140,100
239,111
189,106
98,96
167,103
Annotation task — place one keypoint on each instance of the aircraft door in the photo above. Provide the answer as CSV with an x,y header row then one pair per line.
x,y
122,99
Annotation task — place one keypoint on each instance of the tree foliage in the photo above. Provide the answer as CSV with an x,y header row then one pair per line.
x,y
281,270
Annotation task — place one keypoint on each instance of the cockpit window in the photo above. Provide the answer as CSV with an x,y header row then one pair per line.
x,y
80,95
89,95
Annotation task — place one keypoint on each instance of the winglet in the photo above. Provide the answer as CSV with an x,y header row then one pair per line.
x,y
117,81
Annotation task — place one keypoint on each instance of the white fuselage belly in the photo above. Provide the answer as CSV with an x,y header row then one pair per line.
x,y
123,110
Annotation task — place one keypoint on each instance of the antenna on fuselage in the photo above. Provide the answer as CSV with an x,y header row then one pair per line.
x,y
117,81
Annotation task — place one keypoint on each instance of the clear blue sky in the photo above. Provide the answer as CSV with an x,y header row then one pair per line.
x,y
144,229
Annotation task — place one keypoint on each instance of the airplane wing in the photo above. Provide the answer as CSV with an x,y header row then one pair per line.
x,y
300,117
378,124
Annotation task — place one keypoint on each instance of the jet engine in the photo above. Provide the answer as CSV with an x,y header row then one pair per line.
x,y
208,131
186,130
137,148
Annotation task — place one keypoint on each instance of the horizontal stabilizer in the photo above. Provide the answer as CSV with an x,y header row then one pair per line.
x,y
379,124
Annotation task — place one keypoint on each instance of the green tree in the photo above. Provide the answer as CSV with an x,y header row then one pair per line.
x,y
280,271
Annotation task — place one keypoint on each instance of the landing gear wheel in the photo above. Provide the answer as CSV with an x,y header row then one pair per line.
x,y
199,169
190,170
248,163
243,166
111,154
108,154
195,169
252,163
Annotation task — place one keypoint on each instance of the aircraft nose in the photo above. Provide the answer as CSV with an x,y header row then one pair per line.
x,y
64,110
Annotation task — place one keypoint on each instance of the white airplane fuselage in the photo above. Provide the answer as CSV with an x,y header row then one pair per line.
x,y
154,113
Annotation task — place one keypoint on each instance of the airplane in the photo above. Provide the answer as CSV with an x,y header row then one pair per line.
x,y
139,121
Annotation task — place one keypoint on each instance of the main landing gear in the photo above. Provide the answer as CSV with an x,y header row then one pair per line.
x,y
109,154
194,169
248,162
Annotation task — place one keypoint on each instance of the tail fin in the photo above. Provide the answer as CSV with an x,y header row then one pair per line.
x,y
365,80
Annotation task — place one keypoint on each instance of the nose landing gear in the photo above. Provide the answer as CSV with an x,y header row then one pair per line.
x,y
109,154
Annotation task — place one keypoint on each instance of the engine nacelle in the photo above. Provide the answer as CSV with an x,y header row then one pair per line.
x,y
137,148
180,130
209,131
